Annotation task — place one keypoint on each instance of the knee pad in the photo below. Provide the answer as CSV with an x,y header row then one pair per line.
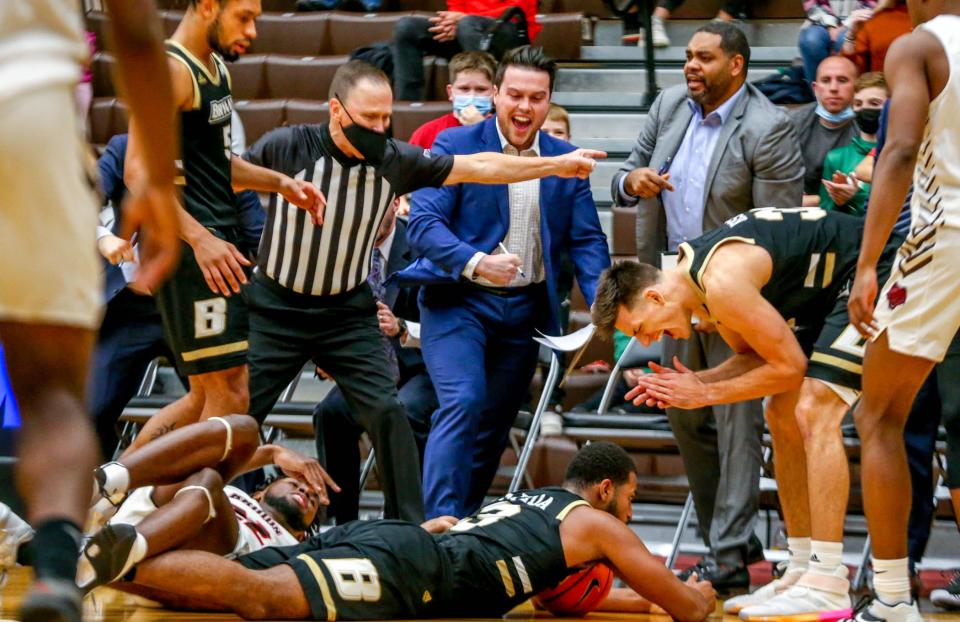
x,y
228,446
212,513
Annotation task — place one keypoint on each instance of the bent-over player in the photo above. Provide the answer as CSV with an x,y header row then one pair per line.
x,y
482,567
774,282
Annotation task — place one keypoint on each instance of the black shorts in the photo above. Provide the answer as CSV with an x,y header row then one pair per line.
x,y
206,331
837,349
366,570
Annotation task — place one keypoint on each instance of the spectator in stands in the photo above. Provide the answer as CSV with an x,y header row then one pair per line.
x,y
826,124
460,28
370,6
840,189
557,123
708,151
729,11
471,92
867,40
131,335
823,33
478,320
337,432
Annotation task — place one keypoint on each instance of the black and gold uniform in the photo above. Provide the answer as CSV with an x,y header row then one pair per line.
x,y
483,567
814,255
208,332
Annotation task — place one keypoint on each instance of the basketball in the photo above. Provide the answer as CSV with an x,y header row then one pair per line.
x,y
580,593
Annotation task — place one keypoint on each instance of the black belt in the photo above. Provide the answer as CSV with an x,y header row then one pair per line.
x,y
508,292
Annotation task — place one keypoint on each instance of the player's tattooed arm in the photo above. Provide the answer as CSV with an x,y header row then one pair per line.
x,y
160,431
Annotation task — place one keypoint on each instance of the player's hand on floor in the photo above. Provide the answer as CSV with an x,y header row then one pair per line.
x,y
153,212
307,197
307,470
440,524
221,264
706,590
679,387
862,301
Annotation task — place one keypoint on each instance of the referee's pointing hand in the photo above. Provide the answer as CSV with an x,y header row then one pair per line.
x,y
579,163
306,196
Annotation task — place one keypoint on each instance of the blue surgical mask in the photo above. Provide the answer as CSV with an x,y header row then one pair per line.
x,y
483,104
835,117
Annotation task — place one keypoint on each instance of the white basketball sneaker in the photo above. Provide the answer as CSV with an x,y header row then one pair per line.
x,y
14,531
734,606
879,611
827,596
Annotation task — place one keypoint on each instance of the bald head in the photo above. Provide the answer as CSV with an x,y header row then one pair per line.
x,y
833,87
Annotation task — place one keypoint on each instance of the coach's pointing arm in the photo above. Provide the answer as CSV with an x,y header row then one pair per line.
x,y
490,167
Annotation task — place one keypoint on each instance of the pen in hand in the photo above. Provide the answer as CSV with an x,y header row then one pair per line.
x,y
506,252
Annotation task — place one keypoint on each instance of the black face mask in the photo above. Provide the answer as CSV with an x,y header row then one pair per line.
x,y
371,144
868,120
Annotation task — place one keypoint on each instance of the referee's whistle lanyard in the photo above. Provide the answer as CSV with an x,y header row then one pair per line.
x,y
370,143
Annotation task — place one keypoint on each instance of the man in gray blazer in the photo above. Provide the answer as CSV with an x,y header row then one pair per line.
x,y
708,151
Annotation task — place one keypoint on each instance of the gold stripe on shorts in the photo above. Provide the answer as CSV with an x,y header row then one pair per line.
x,y
836,361
324,588
205,353
507,579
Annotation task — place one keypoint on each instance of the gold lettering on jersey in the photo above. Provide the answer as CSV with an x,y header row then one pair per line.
x,y
220,110
541,501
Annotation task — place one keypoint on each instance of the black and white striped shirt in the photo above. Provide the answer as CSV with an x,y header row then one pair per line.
x,y
334,257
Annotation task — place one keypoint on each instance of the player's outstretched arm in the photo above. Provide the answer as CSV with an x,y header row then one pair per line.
x,y
490,167
907,74
590,535
145,86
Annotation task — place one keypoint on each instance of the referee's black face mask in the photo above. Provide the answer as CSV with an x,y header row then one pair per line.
x,y
370,143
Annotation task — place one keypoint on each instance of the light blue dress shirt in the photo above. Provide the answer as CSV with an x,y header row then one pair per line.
x,y
688,172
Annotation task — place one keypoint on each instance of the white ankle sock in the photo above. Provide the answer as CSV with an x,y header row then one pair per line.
x,y
799,553
891,580
117,479
825,557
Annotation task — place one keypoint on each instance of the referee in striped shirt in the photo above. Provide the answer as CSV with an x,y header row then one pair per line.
x,y
309,299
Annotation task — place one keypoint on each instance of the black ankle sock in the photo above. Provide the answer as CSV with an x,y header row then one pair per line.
x,y
55,548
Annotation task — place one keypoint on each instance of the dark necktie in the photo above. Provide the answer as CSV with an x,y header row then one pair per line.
x,y
376,285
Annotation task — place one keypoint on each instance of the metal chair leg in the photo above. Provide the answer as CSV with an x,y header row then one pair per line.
x,y
368,465
678,534
860,578
552,378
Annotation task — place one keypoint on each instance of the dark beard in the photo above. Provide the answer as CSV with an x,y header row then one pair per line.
x,y
213,40
289,511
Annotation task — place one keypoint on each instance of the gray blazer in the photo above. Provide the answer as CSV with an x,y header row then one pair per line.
x,y
756,163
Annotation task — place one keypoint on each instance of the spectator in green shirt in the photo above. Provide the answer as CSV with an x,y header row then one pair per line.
x,y
841,190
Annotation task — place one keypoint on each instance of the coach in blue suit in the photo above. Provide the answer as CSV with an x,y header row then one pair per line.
x,y
480,305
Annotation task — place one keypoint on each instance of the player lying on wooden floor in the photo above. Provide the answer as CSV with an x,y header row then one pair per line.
x,y
485,565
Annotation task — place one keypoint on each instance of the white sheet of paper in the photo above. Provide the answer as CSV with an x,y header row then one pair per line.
x,y
567,343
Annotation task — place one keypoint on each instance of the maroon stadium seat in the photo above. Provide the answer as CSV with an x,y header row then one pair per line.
x,y
101,68
97,23
299,111
561,35
259,117
171,19
408,116
108,117
625,231
440,80
278,6
300,78
248,76
422,5
298,34
348,31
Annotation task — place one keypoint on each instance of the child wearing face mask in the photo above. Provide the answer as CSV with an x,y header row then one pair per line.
x,y
470,91
841,190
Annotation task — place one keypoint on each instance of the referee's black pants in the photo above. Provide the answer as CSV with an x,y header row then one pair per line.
x,y
341,334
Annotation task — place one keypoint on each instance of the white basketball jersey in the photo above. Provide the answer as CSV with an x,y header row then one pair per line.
x,y
936,179
41,44
257,528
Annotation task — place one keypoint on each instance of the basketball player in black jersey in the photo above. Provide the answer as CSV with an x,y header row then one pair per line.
x,y
483,566
774,282
205,321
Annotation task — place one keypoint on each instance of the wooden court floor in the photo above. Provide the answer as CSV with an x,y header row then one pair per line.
x,y
106,605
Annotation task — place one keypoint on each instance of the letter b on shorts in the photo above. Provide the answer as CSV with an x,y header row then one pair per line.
x,y
209,317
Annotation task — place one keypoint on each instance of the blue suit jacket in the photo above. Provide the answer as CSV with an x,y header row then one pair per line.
x,y
449,225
